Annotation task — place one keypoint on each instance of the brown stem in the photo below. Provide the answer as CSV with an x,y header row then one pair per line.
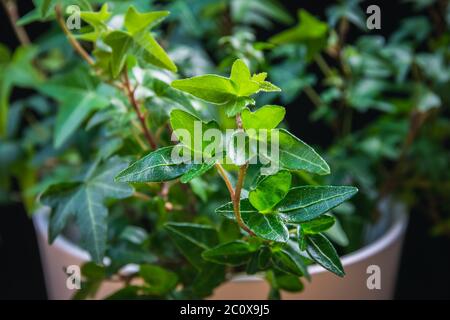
x,y
135,104
227,181
75,44
13,15
237,198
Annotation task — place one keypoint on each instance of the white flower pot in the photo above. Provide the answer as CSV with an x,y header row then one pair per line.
x,y
383,253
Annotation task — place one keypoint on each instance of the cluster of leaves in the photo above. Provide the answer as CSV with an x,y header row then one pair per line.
x,y
170,219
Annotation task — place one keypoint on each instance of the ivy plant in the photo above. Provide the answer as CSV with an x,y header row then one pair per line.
x,y
109,171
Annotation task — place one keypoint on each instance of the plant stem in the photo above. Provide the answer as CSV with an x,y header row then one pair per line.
x,y
313,96
136,107
227,181
237,198
13,15
75,44
323,65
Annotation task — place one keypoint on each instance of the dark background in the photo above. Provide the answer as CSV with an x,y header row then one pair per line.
x,y
425,265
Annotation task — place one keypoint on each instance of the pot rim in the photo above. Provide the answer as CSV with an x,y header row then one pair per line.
x,y
394,232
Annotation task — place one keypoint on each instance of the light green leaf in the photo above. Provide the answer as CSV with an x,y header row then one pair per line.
x,y
192,239
322,251
267,117
196,128
120,43
136,21
209,87
237,104
306,203
233,253
240,75
157,166
85,199
270,190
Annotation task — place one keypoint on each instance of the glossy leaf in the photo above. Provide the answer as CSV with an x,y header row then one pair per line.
x,y
320,224
322,251
289,262
270,190
306,203
232,253
157,166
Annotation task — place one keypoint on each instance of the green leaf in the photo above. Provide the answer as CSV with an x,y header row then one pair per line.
x,y
80,98
306,203
158,281
288,282
240,75
236,105
120,43
136,21
233,253
192,239
294,154
157,166
310,31
265,86
195,128
267,226
320,224
85,199
322,251
209,87
196,171
289,261
270,190
97,20
267,117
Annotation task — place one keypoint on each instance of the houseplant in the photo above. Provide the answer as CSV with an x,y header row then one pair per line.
x,y
277,229
157,95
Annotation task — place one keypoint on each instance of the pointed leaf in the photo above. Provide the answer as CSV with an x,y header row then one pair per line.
x,y
136,21
322,251
306,203
270,190
267,117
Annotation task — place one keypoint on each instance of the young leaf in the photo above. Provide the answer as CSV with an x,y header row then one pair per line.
x,y
136,21
158,281
306,203
120,43
267,117
209,87
192,239
85,200
322,251
232,253
240,75
318,225
270,190
157,166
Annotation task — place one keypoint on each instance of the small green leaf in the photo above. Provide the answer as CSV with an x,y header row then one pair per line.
x,y
267,117
236,105
120,42
240,75
192,239
158,281
157,166
318,225
306,203
233,253
209,87
322,251
270,190
136,21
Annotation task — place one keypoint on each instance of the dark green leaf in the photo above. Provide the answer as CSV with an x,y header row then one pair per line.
x,y
158,281
322,251
232,253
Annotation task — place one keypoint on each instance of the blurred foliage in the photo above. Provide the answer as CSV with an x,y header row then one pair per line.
x,y
384,98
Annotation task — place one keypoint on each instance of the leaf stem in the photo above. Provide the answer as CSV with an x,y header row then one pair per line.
x,y
75,44
237,198
136,107
227,181
13,15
